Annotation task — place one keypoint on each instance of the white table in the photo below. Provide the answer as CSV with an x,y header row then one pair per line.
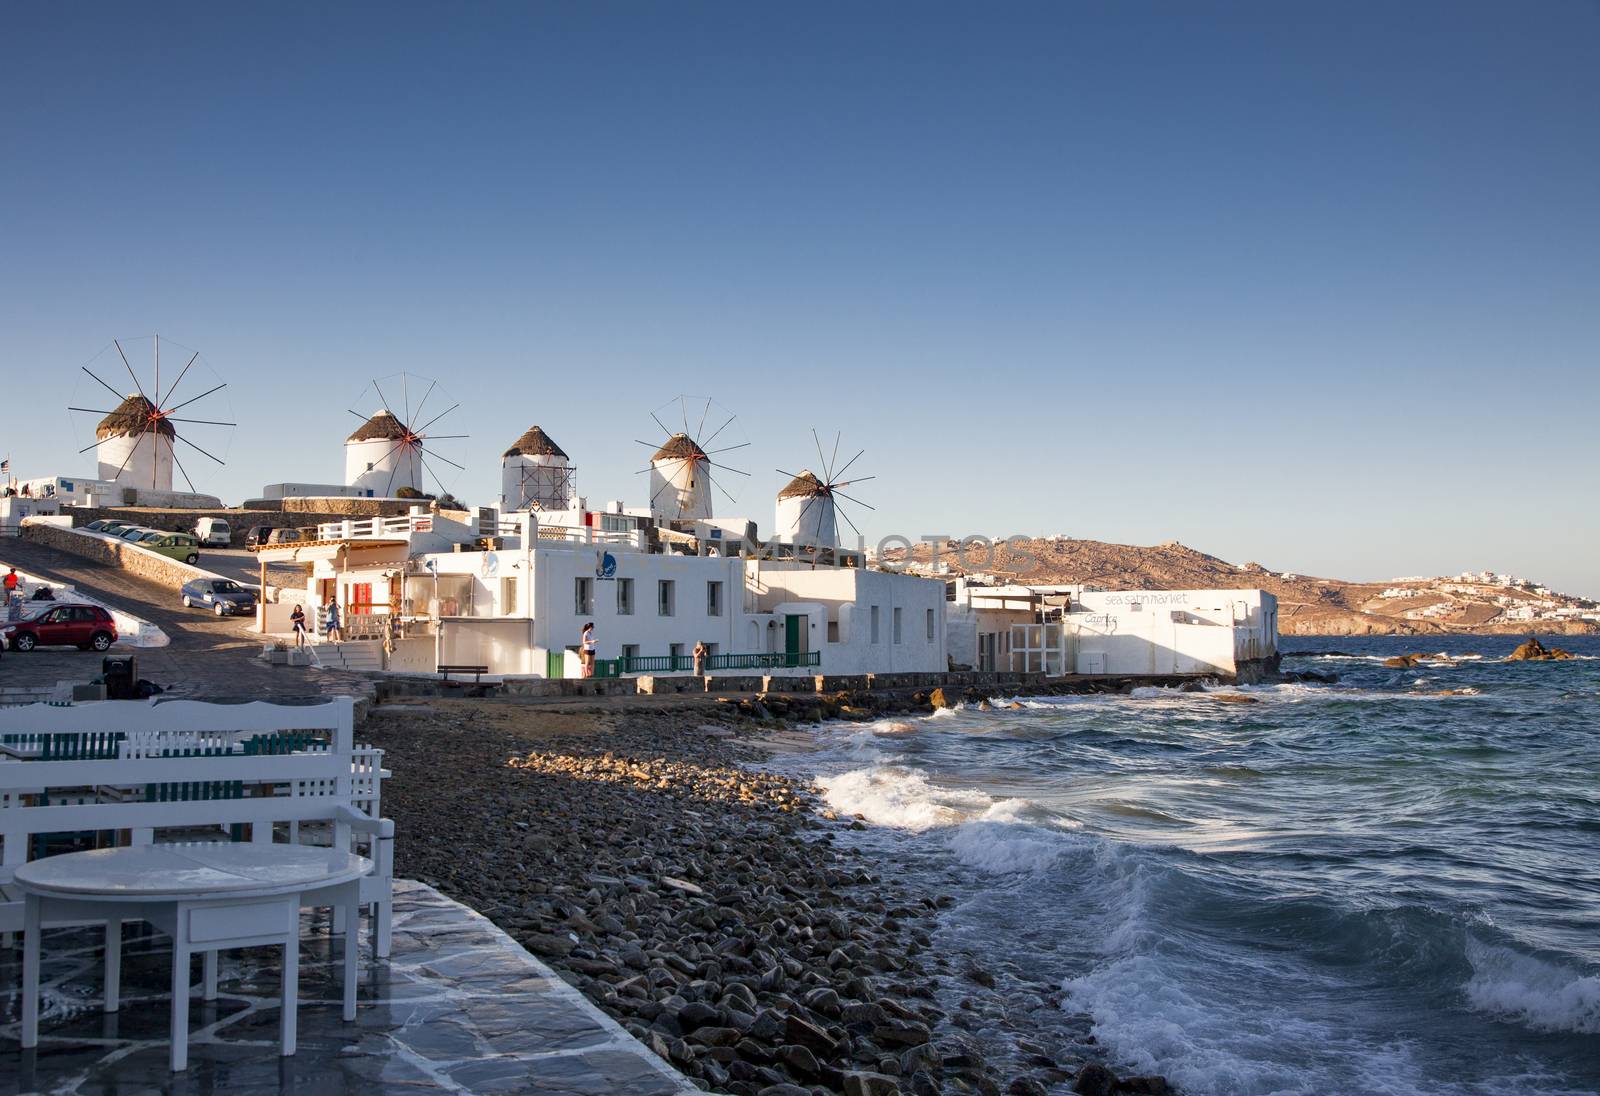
x,y
207,897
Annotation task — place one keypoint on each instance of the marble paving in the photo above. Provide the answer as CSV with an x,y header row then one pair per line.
x,y
459,1007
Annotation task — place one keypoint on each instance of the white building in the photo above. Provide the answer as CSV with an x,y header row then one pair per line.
x,y
1074,630
516,601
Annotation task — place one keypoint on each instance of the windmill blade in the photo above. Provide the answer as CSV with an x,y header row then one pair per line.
x,y
698,430
726,448
804,510
838,435
90,410
442,437
664,487
201,396
381,396
405,393
726,468
202,422
661,424
435,419
847,483
96,445
129,368
155,341
358,415
857,501
443,490
840,511
129,457
425,396
388,488
820,456
436,456
718,430
848,463
724,490
184,470
179,381
781,472
120,395
197,449
683,409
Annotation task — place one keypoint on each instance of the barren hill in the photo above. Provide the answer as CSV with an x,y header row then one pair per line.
x,y
1307,605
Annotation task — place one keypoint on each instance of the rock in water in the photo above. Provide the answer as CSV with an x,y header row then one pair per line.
x,y
1095,1079
939,700
1534,651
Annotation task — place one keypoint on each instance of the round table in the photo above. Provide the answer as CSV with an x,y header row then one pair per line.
x,y
207,897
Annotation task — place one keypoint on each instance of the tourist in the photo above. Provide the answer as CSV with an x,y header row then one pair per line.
x,y
298,619
701,653
587,649
333,623
11,581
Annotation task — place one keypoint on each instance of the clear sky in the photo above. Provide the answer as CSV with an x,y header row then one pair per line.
x,y
1311,284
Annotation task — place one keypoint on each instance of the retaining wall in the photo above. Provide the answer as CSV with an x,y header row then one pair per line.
x,y
118,553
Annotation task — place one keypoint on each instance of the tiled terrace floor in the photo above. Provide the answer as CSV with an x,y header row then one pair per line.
x,y
459,1007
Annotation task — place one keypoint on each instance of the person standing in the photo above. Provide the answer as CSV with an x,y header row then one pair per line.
x,y
701,652
587,649
298,619
333,623
11,581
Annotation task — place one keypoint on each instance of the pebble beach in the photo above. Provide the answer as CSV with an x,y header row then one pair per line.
x,y
721,913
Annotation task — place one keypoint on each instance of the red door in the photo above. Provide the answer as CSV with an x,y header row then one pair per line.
x,y
55,627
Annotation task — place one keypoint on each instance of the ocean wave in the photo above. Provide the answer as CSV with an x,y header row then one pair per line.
x,y
1003,847
890,795
1511,986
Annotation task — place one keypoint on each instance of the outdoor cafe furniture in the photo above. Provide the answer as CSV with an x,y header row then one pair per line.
x,y
207,898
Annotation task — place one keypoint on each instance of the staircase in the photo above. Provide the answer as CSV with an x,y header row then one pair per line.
x,y
358,656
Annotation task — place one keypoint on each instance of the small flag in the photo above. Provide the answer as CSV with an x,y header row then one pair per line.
x,y
5,466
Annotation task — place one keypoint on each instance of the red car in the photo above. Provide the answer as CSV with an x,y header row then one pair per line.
x,y
87,627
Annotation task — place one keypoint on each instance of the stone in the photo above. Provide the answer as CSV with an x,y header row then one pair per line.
x,y
800,1061
1027,1086
549,944
1144,1086
906,1033
864,1083
1094,1079
1532,650
939,700
807,1034
697,1014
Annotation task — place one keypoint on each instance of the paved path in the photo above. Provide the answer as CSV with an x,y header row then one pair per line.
x,y
458,1007
213,658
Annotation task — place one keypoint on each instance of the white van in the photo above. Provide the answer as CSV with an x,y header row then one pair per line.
x,y
213,532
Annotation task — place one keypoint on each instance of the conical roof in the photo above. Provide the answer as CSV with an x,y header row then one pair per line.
x,y
133,416
679,447
804,486
534,443
382,426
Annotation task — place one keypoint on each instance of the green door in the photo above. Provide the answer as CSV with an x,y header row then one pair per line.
x,y
793,638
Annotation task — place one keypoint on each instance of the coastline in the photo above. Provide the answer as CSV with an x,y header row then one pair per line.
x,y
717,910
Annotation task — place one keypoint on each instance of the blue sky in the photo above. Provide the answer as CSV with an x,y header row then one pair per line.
x,y
1311,284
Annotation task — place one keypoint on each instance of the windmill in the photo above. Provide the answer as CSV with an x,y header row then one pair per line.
x,y
808,506
136,441
386,453
680,469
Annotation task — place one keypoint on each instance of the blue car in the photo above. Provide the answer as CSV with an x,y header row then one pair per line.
x,y
223,597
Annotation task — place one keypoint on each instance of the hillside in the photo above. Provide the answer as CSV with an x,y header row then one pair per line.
x,y
1307,605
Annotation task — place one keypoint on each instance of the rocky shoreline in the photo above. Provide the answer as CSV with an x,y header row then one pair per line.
x,y
719,912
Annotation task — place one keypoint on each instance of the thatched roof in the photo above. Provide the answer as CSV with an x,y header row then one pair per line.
x,y
804,486
679,447
383,426
132,416
534,443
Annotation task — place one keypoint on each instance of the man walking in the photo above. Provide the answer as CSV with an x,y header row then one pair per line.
x,y
335,630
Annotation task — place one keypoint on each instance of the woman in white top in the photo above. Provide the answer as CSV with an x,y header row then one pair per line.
x,y
588,649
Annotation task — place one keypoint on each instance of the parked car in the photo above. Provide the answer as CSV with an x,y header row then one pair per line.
x,y
111,528
87,627
284,536
222,596
134,533
174,545
100,525
213,532
258,534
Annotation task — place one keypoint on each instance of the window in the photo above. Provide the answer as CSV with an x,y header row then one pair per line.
x,y
930,625
896,625
624,597
874,615
833,631
713,599
666,598
583,596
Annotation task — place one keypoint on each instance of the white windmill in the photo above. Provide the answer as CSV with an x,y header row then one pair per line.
x,y
680,469
535,474
386,455
808,508
136,440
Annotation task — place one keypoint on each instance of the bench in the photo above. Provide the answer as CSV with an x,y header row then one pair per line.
x,y
477,672
164,784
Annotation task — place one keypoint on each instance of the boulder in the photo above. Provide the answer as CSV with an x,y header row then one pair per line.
x,y
1534,651
1095,1079
939,699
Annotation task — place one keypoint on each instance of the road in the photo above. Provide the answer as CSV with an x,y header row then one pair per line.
x,y
209,656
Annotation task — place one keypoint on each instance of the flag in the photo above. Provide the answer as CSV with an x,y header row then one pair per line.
x,y
5,466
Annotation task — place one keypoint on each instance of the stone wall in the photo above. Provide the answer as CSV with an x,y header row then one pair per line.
x,y
136,561
333,507
183,521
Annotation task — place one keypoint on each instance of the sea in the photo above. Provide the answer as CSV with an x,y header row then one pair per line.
x,y
1388,885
